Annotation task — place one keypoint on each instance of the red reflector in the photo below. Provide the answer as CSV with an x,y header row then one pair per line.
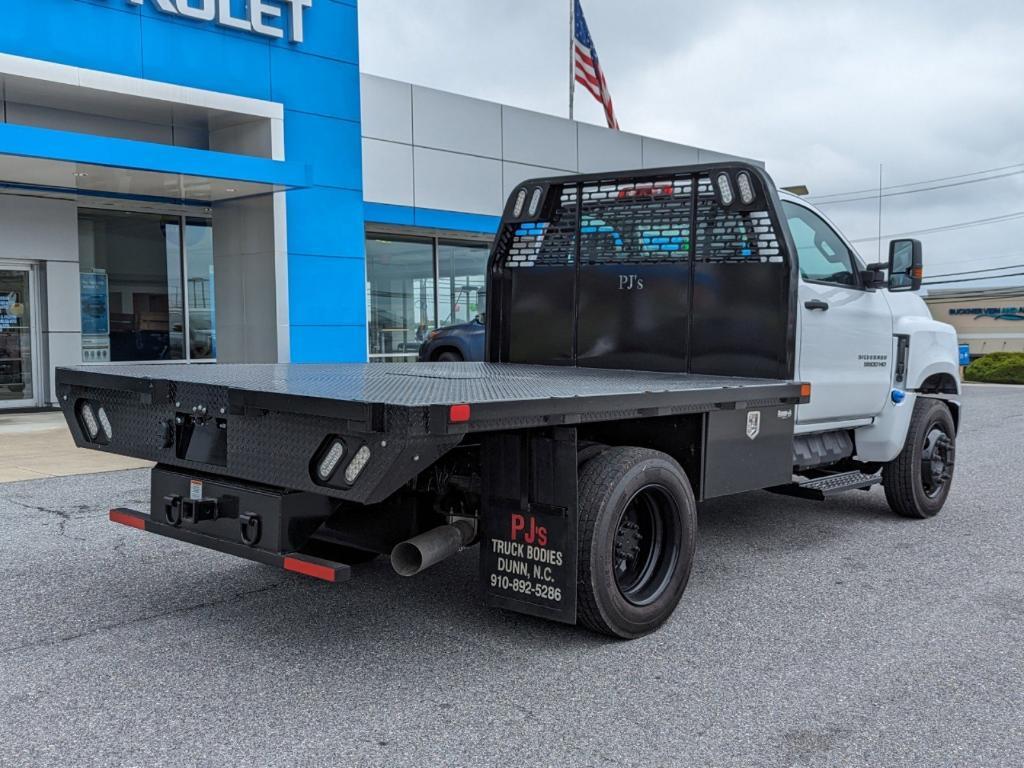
x,y
125,519
458,413
306,568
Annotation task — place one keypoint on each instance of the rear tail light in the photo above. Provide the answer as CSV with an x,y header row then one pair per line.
x,y
105,423
356,466
458,414
330,461
92,426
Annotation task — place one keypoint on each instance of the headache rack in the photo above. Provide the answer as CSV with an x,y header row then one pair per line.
x,y
687,269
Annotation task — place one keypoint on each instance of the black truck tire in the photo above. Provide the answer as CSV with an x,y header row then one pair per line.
x,y
917,481
637,536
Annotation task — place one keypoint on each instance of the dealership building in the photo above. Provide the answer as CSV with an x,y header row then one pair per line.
x,y
199,180
989,319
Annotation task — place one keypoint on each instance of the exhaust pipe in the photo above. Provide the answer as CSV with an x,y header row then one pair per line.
x,y
419,553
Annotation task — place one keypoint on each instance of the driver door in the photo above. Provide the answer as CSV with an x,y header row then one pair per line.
x,y
845,330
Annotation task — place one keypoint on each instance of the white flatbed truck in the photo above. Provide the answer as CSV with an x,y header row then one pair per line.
x,y
654,338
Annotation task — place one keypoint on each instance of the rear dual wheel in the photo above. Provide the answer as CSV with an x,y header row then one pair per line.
x,y
637,536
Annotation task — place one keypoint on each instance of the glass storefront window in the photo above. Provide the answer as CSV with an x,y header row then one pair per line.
x,y
461,289
400,296
414,285
133,288
202,333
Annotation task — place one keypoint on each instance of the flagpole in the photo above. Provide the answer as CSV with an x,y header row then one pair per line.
x,y
572,55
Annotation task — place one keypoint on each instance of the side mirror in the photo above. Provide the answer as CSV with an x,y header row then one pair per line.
x,y
905,265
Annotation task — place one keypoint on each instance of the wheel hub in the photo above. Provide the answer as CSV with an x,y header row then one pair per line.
x,y
937,458
645,547
628,540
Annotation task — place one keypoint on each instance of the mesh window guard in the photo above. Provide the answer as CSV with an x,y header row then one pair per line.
x,y
642,223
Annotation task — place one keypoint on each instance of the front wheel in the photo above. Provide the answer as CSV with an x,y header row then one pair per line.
x,y
917,481
637,535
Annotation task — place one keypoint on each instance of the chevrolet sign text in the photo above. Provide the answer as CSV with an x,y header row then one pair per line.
x,y
260,19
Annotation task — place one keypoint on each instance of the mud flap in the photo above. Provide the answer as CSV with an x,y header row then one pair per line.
x,y
528,546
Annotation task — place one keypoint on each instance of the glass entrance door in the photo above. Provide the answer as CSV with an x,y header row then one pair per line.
x,y
19,384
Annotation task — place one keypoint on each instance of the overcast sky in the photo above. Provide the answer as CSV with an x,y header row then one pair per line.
x,y
823,92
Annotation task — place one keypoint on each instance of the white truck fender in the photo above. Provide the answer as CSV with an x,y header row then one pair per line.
x,y
932,362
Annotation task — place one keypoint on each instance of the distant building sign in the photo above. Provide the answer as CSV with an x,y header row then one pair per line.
x,y
992,313
259,20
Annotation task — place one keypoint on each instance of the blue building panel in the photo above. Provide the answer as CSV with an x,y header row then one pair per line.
x,y
430,218
314,84
325,222
333,146
199,57
328,343
77,33
464,222
315,285
396,215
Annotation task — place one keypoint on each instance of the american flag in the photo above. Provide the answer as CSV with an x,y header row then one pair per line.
x,y
588,68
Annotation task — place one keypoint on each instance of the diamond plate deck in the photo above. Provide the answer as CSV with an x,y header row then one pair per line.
x,y
426,384
277,416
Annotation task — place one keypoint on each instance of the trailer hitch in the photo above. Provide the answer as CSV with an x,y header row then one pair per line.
x,y
178,510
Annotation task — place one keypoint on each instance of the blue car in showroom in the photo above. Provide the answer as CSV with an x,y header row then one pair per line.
x,y
455,343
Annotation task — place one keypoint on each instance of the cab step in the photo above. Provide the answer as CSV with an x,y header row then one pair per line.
x,y
821,488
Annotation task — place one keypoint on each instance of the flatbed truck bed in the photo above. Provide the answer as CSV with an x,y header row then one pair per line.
x,y
519,395
640,347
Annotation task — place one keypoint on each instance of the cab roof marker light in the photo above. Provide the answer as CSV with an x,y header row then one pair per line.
x,y
356,466
329,463
105,423
746,187
92,427
517,211
725,188
535,201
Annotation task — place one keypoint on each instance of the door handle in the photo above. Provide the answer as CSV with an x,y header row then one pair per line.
x,y
816,304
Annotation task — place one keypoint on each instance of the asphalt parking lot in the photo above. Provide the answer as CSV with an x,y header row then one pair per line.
x,y
809,635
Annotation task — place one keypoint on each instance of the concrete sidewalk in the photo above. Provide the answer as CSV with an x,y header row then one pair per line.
x,y
36,445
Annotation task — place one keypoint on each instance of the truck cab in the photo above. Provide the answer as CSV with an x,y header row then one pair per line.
x,y
867,343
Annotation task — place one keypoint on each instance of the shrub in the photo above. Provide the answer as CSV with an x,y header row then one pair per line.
x,y
997,368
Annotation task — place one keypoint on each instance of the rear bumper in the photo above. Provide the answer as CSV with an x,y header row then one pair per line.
x,y
326,570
